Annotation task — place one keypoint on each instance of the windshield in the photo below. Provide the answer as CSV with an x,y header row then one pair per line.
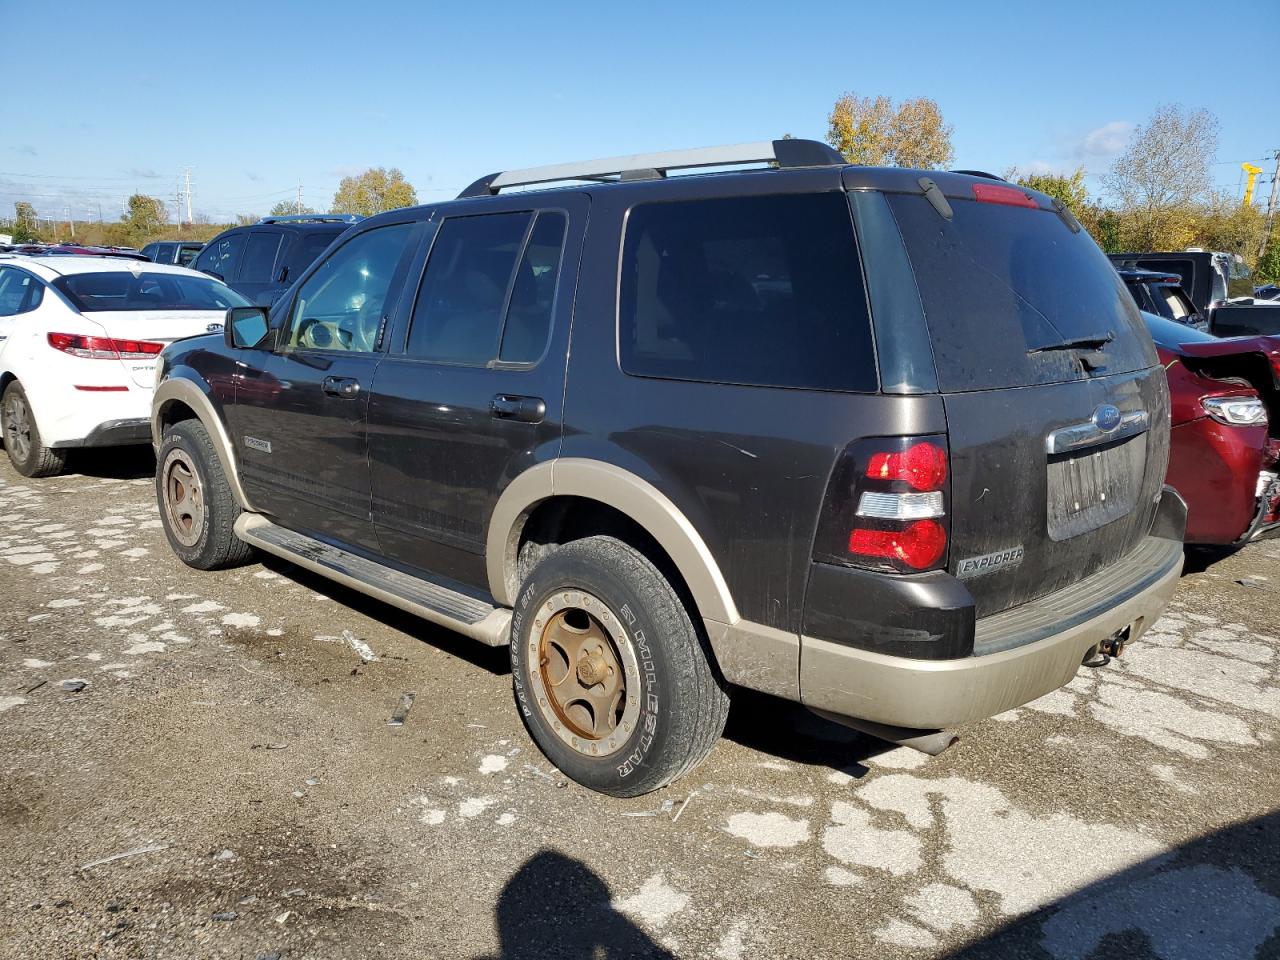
x,y
125,290
1005,288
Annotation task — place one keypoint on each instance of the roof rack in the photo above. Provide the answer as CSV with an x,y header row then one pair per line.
x,y
314,218
655,166
980,173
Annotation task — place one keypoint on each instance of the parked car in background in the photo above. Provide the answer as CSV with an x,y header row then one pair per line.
x,y
1225,442
259,261
910,480
179,252
1212,280
1267,292
75,249
79,337
1162,294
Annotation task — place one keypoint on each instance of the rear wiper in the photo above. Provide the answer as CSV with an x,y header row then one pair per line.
x,y
1095,342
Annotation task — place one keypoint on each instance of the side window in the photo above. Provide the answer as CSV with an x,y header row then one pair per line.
x,y
489,289
150,251
19,292
341,305
458,314
303,251
260,257
186,255
222,256
533,295
765,291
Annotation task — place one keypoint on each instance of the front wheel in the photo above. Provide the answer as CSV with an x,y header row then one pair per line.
x,y
197,507
27,452
613,680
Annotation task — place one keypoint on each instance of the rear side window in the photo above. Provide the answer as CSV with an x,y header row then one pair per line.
x,y
763,291
260,257
222,256
1000,284
489,289
304,250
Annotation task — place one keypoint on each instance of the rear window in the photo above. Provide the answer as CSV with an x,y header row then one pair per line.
x,y
125,290
1168,333
306,247
764,291
999,284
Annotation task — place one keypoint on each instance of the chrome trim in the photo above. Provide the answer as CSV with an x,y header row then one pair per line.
x,y
901,506
1089,434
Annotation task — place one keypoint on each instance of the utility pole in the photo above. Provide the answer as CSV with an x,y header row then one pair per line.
x,y
186,193
1271,203
297,207
70,224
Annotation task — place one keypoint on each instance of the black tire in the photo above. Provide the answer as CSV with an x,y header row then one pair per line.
x,y
681,700
27,452
200,525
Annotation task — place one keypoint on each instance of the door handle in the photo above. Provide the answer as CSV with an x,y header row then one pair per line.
x,y
524,409
344,388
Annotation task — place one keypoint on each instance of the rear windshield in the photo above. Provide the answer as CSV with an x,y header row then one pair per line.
x,y
125,290
306,247
1000,284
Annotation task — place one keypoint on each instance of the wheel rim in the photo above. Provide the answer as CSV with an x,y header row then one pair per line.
x,y
183,498
17,427
584,672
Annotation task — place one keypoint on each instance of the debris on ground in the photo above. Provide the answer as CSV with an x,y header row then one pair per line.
x,y
362,649
1254,582
154,848
226,915
402,709
74,685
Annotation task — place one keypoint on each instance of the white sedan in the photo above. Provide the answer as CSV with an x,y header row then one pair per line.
x,y
79,339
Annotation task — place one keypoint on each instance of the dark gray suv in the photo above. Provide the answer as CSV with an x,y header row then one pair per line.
x,y
884,442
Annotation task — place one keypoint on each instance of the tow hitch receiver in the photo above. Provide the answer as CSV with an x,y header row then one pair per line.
x,y
1113,646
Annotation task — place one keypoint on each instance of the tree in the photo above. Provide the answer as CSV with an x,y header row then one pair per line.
x,y
375,190
25,224
1162,174
143,222
872,132
1070,189
246,219
1268,270
288,208
1227,224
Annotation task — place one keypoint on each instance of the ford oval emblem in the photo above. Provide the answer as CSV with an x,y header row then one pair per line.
x,y
1106,418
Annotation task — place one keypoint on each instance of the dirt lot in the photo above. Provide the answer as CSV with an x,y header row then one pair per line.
x,y
232,738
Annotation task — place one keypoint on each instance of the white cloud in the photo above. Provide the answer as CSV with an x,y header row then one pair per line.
x,y
1102,143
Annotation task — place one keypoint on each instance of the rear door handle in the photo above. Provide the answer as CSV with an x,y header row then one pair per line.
x,y
344,388
524,409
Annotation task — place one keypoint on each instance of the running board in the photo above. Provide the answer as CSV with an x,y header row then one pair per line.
x,y
431,601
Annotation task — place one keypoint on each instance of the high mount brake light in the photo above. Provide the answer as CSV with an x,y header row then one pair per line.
x,y
1009,196
103,348
886,506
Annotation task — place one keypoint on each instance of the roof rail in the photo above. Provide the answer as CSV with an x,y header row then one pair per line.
x,y
980,173
654,166
314,218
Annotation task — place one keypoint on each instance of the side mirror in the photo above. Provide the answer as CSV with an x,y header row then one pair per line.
x,y
246,328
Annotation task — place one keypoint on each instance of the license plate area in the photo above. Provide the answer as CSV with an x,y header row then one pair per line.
x,y
1090,488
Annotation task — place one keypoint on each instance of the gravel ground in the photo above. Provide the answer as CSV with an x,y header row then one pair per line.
x,y
225,783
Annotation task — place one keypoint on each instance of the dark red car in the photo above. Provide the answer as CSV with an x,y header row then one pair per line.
x,y
1225,446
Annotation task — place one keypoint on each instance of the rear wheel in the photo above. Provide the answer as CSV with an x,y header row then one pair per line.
x,y
27,452
612,678
197,507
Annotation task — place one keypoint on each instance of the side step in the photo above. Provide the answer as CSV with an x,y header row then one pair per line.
x,y
459,612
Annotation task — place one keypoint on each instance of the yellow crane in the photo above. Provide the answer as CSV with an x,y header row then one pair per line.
x,y
1253,172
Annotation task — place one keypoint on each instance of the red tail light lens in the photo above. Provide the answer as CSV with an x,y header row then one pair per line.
x,y
919,545
922,465
886,506
103,348
1010,196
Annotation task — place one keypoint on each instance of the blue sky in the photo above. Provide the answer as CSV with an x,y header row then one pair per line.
x,y
257,97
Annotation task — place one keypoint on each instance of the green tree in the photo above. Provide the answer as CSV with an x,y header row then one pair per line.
x,y
1069,188
375,190
288,208
1224,223
873,132
26,227
1162,175
1268,269
144,221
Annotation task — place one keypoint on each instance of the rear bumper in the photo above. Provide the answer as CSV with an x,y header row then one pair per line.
x,y
1033,650
114,433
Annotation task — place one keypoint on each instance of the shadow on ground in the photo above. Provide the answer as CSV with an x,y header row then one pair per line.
x,y
113,463
1215,898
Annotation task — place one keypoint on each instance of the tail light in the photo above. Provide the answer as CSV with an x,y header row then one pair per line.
x,y
1009,196
886,506
103,348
